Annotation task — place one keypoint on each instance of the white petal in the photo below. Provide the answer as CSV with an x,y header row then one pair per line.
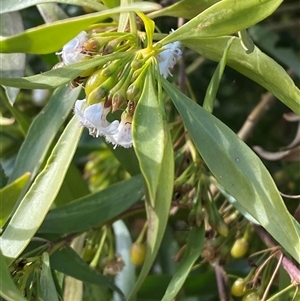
x,y
95,115
168,58
71,52
123,137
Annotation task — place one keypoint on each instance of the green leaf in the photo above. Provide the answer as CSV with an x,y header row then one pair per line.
x,y
67,261
48,290
51,12
52,37
11,65
246,41
73,187
187,9
257,66
225,17
8,6
238,169
37,201
157,208
16,113
149,28
42,131
149,136
127,158
8,289
94,209
9,196
212,89
3,177
123,242
59,76
193,250
204,285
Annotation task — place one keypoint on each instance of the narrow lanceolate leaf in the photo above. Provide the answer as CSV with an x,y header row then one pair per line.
x,y
67,261
8,6
159,206
9,196
225,17
157,215
21,119
8,289
37,201
237,168
187,9
54,36
51,12
95,208
212,89
48,290
42,132
59,76
11,65
257,66
149,136
195,243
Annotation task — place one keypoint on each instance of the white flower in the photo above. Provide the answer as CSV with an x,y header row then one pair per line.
x,y
168,57
78,111
72,51
124,135
94,118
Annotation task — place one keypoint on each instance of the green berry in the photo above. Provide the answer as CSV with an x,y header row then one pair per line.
x,y
238,288
251,296
239,248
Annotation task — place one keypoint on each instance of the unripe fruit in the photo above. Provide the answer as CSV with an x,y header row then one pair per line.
x,y
138,253
251,296
239,248
238,288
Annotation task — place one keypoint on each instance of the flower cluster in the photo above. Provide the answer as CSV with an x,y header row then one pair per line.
x,y
116,84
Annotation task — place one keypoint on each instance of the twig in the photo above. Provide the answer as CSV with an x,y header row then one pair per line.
x,y
287,264
221,282
266,102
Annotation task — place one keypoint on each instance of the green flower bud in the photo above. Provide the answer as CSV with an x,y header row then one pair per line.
x,y
118,100
133,92
87,72
97,95
94,81
137,64
112,68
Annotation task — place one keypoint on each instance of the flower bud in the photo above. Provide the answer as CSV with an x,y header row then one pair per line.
x,y
111,69
133,92
91,45
137,64
131,107
118,99
97,95
94,81
87,72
